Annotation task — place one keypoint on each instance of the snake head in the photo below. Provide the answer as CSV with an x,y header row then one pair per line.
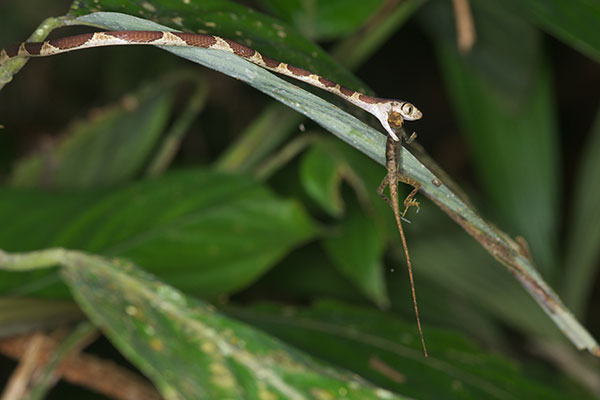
x,y
408,111
393,113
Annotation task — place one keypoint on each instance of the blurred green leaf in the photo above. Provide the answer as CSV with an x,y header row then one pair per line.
x,y
502,92
307,274
356,248
323,20
321,176
583,246
573,21
19,314
46,374
462,268
110,147
206,232
357,48
357,243
184,346
387,352
371,143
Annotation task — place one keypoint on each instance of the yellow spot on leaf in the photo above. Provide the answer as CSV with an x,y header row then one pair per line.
x,y
131,310
208,347
157,344
321,394
149,7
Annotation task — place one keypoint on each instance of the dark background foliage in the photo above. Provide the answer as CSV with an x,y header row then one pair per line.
x,y
514,122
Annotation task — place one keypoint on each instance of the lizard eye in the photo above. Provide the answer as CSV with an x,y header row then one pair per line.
x,y
408,108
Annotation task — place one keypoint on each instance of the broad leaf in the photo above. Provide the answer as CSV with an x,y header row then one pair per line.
x,y
502,92
108,148
184,346
387,351
356,248
321,175
583,247
324,19
233,21
207,232
573,21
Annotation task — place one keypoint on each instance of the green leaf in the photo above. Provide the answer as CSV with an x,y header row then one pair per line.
x,y
324,20
108,148
19,315
206,232
388,352
356,248
465,270
356,244
46,374
308,274
266,34
321,175
502,92
583,247
184,346
370,142
573,21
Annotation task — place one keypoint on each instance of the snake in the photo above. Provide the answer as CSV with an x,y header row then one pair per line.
x,y
391,113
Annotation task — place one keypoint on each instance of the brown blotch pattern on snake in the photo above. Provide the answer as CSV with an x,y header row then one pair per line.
x,y
269,62
298,71
33,48
368,99
137,37
240,49
197,40
346,92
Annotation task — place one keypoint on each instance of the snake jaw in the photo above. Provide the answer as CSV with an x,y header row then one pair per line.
x,y
392,115
407,110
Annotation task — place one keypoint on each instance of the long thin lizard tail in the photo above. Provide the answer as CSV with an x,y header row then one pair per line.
x,y
412,283
392,155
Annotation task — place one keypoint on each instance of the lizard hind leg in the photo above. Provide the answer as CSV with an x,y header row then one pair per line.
x,y
409,201
393,154
380,190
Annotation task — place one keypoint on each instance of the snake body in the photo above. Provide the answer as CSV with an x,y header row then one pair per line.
x,y
391,113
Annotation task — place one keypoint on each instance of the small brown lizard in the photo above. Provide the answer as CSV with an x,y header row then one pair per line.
x,y
393,151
